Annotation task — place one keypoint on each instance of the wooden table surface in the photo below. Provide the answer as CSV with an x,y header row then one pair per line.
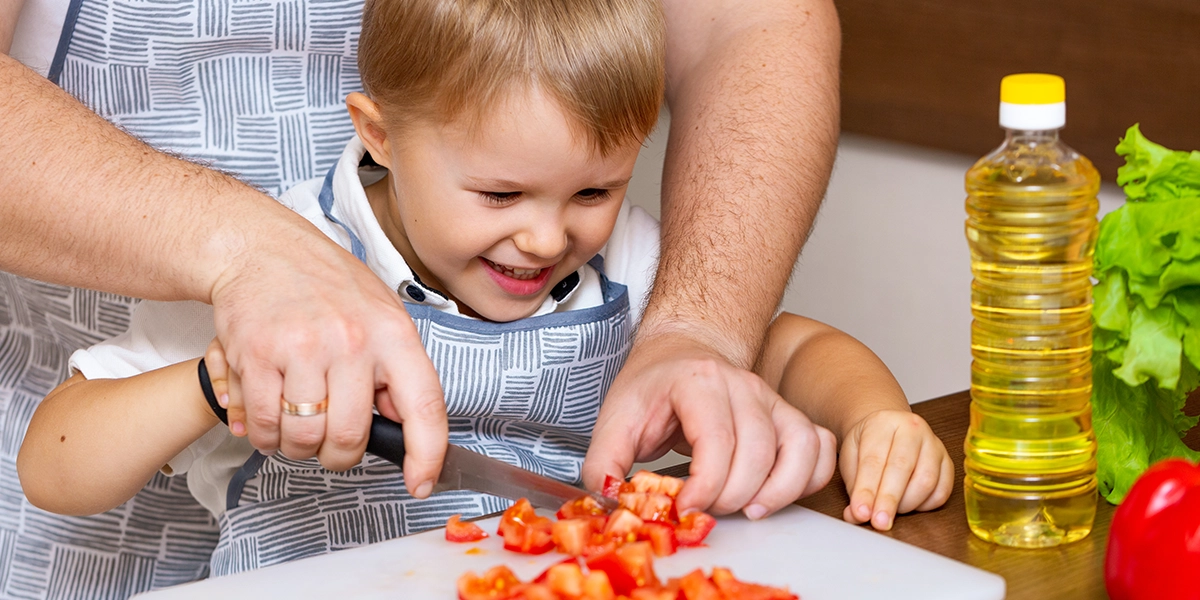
x,y
1067,572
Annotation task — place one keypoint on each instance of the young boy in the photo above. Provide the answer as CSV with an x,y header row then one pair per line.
x,y
495,144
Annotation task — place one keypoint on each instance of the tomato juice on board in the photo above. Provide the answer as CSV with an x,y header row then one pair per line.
x,y
1031,227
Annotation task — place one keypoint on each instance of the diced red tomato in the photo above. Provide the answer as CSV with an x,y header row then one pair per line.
x,y
612,485
565,579
584,506
638,560
533,591
646,482
571,536
457,531
693,528
496,584
622,524
597,587
653,593
670,486
731,588
661,537
628,567
695,586
524,531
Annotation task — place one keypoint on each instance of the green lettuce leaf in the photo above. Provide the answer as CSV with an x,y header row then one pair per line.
x,y
1146,314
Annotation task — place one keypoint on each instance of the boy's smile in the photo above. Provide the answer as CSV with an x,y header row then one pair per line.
x,y
497,212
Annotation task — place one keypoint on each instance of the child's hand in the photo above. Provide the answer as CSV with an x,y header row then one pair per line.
x,y
226,387
892,462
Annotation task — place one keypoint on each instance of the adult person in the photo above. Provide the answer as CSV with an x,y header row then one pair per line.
x,y
753,97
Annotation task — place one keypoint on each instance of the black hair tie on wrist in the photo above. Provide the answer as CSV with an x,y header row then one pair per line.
x,y
206,387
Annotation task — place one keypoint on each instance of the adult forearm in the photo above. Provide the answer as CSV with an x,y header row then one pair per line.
x,y
92,444
85,204
754,119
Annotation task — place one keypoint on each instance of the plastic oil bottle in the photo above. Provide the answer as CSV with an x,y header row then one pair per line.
x,y
1031,227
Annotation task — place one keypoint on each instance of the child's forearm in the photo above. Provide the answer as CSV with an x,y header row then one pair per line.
x,y
92,444
830,376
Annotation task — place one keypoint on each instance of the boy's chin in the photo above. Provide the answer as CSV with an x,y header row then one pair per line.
x,y
511,311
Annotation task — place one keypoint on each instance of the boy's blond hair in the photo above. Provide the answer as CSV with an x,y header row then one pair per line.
x,y
437,60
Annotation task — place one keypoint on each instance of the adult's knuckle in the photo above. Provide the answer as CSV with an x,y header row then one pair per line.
x,y
306,438
347,438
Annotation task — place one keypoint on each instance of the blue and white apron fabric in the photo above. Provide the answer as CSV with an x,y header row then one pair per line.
x,y
253,87
526,392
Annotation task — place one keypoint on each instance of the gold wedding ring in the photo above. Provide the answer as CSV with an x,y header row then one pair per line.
x,y
304,410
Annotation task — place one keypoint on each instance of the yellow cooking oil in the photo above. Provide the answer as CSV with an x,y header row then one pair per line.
x,y
1031,228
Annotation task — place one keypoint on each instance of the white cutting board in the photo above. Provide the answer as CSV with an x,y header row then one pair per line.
x,y
817,557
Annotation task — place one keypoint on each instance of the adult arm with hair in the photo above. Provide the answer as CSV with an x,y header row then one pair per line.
x,y
753,94
85,204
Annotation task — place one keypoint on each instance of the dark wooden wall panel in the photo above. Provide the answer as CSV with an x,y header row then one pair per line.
x,y
928,71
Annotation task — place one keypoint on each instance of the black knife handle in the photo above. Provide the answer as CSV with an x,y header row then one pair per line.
x,y
386,440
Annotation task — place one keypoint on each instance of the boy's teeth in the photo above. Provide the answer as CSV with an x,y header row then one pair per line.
x,y
514,272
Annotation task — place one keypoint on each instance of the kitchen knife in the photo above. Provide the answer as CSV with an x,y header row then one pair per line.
x,y
462,469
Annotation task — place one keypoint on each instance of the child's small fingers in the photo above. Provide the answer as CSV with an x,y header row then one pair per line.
x,y
945,486
235,407
924,479
872,461
901,461
215,360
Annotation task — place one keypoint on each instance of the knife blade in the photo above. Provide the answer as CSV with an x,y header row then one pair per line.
x,y
462,469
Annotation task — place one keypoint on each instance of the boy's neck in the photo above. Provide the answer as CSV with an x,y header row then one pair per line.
x,y
382,199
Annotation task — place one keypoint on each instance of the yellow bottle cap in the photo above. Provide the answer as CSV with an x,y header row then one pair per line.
x,y
1033,88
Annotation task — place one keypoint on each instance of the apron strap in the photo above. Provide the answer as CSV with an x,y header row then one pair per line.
x,y
64,41
233,495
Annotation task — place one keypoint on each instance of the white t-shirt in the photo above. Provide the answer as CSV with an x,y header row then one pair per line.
x,y
165,333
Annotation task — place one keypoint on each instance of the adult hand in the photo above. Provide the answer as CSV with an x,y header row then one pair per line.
x,y
310,322
750,449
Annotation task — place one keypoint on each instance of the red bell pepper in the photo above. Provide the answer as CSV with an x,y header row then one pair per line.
x,y
1154,541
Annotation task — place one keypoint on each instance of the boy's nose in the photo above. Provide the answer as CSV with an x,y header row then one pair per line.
x,y
544,238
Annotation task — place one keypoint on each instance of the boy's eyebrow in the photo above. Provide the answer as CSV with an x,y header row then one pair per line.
x,y
505,184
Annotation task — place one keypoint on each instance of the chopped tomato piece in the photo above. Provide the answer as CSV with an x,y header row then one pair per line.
x,y
612,485
661,537
657,507
731,588
693,528
571,536
670,486
622,523
457,531
584,506
496,584
653,593
695,586
597,587
524,531
533,591
646,482
637,560
628,567
517,515
565,579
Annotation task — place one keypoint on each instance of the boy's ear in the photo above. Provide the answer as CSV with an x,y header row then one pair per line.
x,y
364,113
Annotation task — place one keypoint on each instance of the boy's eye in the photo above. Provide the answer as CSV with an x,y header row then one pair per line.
x,y
500,197
592,195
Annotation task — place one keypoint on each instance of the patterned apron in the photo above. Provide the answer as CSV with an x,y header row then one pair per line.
x,y
526,392
253,87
